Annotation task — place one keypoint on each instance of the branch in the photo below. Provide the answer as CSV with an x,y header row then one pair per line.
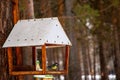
x,y
106,8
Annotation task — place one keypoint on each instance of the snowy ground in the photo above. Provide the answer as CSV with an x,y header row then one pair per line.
x,y
98,77
89,77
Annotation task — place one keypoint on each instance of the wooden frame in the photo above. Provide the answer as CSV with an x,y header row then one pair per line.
x,y
12,68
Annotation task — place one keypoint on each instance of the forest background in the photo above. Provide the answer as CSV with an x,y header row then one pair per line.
x,y
93,27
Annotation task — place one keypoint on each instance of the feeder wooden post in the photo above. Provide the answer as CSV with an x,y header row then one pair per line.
x,y
10,60
44,58
34,57
67,58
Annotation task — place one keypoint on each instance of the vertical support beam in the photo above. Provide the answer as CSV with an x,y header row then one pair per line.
x,y
67,58
10,60
34,57
44,58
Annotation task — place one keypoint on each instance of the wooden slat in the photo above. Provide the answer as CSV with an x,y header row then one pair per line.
x,y
46,79
56,45
27,73
63,72
23,68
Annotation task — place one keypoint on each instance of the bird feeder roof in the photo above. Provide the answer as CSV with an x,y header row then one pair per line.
x,y
37,32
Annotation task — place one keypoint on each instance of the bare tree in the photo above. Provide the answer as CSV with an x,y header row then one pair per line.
x,y
116,43
27,51
5,27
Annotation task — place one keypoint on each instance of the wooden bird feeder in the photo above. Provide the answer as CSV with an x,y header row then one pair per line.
x,y
44,33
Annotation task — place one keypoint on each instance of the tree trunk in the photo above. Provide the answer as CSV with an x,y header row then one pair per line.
x,y
61,7
5,27
85,59
90,56
94,63
29,9
45,8
102,44
116,44
103,61
17,53
74,68
27,51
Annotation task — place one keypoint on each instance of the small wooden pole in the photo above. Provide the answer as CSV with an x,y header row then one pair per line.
x,y
10,60
44,58
43,61
67,58
34,57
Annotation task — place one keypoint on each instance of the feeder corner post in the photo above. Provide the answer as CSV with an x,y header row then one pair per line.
x,y
44,58
10,60
34,57
67,54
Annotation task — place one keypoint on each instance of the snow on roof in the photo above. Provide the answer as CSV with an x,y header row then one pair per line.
x,y
36,32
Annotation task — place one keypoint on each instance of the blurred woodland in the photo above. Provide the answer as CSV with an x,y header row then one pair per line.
x,y
93,27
